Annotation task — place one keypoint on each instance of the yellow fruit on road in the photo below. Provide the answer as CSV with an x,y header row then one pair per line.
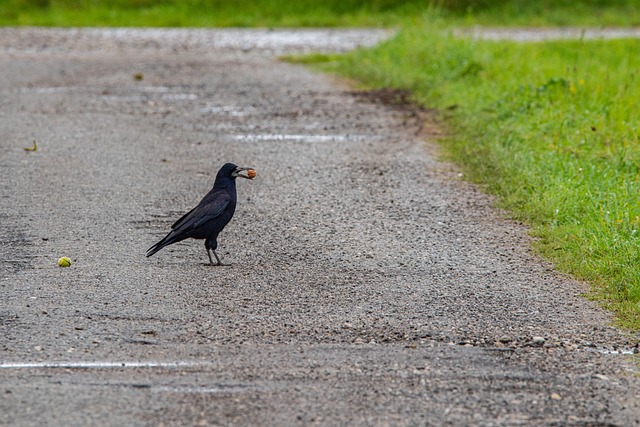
x,y
64,261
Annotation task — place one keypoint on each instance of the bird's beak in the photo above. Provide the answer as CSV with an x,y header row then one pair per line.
x,y
247,173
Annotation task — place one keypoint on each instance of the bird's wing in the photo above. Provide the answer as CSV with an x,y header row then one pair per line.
x,y
203,212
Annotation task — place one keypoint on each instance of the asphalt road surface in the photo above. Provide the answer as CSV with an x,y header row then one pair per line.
x,y
367,285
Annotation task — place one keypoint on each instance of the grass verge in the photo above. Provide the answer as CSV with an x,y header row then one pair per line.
x,y
552,128
207,13
266,13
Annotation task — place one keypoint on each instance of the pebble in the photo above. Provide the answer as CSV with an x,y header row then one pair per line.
x,y
538,340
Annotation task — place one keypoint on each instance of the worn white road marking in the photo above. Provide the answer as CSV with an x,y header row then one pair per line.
x,y
100,365
302,138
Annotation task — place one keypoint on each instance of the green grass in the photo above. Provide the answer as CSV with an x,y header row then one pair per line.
x,y
549,12
207,13
552,128
266,13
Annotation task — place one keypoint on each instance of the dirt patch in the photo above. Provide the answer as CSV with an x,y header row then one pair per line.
x,y
427,121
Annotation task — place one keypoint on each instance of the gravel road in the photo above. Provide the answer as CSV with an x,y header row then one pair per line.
x,y
367,285
542,34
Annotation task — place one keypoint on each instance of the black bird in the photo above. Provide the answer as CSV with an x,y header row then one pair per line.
x,y
211,215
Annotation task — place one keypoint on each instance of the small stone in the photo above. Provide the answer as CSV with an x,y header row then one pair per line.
x,y
505,340
555,396
538,340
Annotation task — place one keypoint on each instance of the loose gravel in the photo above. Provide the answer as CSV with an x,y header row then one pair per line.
x,y
368,283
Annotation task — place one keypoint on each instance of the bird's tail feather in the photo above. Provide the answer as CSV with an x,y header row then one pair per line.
x,y
153,249
168,239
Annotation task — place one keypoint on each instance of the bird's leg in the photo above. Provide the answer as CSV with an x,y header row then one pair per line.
x,y
217,259
209,250
209,255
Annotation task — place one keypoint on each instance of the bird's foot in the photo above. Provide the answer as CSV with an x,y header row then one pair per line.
x,y
213,264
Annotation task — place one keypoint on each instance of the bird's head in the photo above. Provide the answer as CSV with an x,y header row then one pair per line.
x,y
231,171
